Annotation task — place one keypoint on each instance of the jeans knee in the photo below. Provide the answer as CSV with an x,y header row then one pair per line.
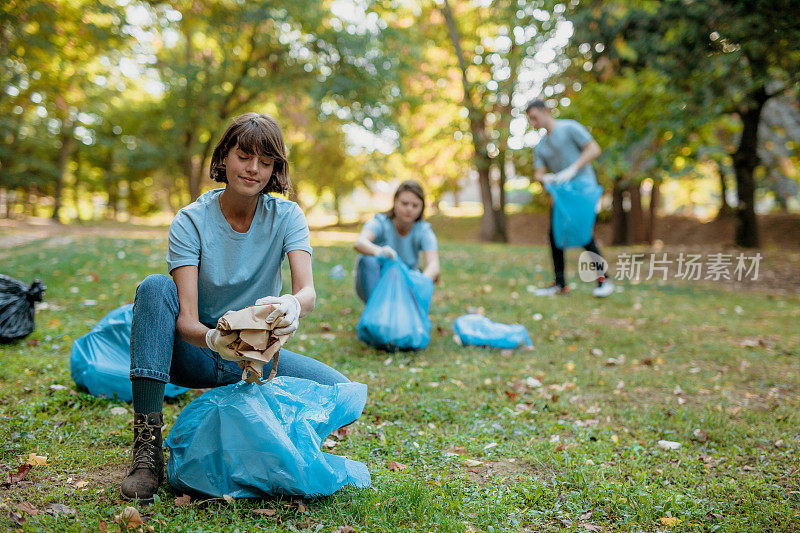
x,y
367,263
156,286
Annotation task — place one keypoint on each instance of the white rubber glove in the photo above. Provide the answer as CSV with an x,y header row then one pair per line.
x,y
220,342
566,174
286,317
387,252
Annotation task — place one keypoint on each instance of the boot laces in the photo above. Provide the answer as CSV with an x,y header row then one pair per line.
x,y
144,455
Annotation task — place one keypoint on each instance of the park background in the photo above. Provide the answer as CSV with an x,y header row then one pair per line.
x,y
109,111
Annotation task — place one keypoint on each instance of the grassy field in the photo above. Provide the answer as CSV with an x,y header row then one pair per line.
x,y
560,438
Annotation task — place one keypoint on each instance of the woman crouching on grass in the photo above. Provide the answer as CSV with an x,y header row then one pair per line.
x,y
399,233
225,253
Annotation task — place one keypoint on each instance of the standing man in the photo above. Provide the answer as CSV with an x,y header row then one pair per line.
x,y
564,155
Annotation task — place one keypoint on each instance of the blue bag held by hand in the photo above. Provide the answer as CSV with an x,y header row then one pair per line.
x,y
396,314
252,441
477,330
101,359
573,212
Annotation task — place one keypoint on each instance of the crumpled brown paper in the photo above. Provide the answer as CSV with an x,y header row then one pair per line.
x,y
256,344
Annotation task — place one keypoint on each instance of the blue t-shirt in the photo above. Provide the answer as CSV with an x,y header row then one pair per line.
x,y
419,239
563,146
235,269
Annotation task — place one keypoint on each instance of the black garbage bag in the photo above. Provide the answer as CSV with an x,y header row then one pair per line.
x,y
17,301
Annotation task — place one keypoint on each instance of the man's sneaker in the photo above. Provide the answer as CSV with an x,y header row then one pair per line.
x,y
603,290
552,290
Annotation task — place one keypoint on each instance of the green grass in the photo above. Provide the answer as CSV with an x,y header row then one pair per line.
x,y
580,450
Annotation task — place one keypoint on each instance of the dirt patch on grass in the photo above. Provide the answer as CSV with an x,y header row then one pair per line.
x,y
107,475
502,468
15,232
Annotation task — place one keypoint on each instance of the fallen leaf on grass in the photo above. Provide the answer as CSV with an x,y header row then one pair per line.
x,y
27,507
21,474
341,433
394,466
17,518
117,411
588,526
81,484
129,517
778,443
344,529
56,509
329,443
670,521
511,395
36,460
265,512
668,445
57,387
228,498
700,435
301,507
469,463
458,450
103,526
180,501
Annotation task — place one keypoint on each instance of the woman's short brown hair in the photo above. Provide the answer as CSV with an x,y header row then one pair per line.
x,y
255,133
412,187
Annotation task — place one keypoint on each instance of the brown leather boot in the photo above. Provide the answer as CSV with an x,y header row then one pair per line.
x,y
146,472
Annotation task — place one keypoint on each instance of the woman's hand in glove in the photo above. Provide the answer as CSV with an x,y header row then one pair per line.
x,y
387,252
220,342
286,316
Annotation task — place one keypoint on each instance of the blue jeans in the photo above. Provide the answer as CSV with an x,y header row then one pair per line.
x,y
158,353
368,271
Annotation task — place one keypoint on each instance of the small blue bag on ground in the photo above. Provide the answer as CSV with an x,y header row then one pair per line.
x,y
396,314
574,214
477,330
253,441
101,359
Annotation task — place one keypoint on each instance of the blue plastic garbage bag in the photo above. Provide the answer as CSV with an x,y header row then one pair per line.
x,y
573,212
477,330
252,441
101,359
396,314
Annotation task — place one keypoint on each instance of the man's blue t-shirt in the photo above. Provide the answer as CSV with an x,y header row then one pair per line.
x,y
420,239
563,146
235,269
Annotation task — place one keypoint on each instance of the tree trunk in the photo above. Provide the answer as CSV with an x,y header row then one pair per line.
x,y
655,198
491,229
725,209
337,206
619,218
500,212
64,154
4,203
488,221
75,185
745,161
636,216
